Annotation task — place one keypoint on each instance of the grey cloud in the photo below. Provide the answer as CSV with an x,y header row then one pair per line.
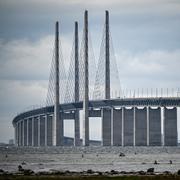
x,y
149,69
16,97
23,59
33,19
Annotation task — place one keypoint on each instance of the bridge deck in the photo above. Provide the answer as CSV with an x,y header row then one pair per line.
x,y
125,102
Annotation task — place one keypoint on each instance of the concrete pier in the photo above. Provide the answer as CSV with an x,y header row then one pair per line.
x,y
141,127
76,129
21,133
45,138
16,135
122,129
39,132
60,130
117,127
49,130
30,131
35,128
128,126
106,127
155,127
42,130
170,127
25,132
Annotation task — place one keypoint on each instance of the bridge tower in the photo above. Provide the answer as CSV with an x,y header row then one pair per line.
x,y
56,105
86,85
76,87
107,58
106,112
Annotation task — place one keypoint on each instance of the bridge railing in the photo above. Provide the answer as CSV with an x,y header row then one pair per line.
x,y
146,93
126,93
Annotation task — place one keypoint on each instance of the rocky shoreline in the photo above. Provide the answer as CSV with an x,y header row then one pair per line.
x,y
28,172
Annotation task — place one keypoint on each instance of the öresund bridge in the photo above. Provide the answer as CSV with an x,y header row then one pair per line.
x,y
126,121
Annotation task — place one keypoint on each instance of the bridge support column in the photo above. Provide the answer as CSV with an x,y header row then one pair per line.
x,y
128,127
46,117
15,134
22,132
39,132
30,133
25,132
122,130
117,127
76,129
49,130
134,126
42,131
60,130
33,131
154,126
106,126
18,126
170,127
35,128
141,127
18,134
147,125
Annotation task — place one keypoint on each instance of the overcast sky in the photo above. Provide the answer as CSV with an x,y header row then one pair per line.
x,y
145,36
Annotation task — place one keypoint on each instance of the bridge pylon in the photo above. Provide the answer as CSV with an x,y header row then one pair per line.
x,y
86,85
76,86
107,57
56,104
57,122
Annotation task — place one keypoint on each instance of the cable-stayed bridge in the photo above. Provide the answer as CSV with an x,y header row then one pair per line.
x,y
126,121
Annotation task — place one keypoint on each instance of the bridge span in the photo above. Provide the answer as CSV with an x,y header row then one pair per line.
x,y
125,122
